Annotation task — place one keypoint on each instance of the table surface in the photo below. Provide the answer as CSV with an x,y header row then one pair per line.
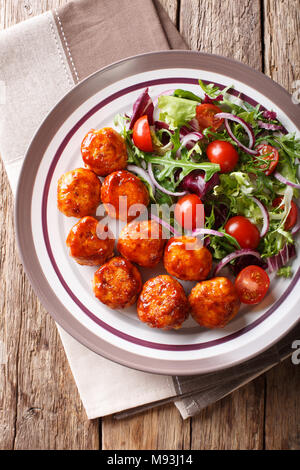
x,y
39,403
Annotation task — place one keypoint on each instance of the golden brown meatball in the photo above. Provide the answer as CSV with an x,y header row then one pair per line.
x,y
142,243
186,259
78,193
104,151
163,303
214,303
121,191
117,283
90,242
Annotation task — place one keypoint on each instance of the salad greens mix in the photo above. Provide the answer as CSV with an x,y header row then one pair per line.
x,y
178,163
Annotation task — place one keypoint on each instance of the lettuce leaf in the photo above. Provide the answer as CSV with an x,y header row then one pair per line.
x,y
176,111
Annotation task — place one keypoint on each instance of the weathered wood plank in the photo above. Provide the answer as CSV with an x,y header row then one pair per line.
x,y
282,39
226,28
282,429
160,428
231,29
282,63
236,422
39,404
171,7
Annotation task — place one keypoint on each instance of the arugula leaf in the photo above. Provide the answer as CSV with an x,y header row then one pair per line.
x,y
222,246
168,164
176,111
188,95
211,90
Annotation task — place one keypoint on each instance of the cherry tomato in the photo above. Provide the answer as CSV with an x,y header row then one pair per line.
x,y
293,214
224,154
205,114
271,155
252,284
141,135
189,212
244,231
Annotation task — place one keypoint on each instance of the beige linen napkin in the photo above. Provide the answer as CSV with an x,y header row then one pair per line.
x,y
40,60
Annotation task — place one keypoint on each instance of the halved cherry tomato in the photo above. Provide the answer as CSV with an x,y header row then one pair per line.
x,y
205,114
252,284
269,154
142,135
189,212
293,214
244,231
224,154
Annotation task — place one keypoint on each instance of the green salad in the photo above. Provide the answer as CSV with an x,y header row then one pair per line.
x,y
235,157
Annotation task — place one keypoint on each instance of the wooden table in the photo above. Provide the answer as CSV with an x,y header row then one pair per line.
x,y
39,403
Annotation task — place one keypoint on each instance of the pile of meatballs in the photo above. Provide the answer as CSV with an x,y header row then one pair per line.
x,y
161,301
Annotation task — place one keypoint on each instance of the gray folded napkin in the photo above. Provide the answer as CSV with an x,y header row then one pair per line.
x,y
40,60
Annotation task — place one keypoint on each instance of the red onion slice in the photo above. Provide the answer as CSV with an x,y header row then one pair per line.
x,y
143,173
167,93
296,227
283,180
234,255
194,125
265,215
207,231
245,125
269,126
164,224
191,137
163,190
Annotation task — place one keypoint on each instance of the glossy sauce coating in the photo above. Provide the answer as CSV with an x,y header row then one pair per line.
x,y
163,303
186,259
214,302
132,191
78,193
142,242
90,242
117,283
104,151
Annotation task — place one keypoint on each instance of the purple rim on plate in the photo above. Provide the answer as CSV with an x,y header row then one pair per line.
x,y
71,101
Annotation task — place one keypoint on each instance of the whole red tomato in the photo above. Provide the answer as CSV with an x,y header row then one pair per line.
x,y
244,231
224,154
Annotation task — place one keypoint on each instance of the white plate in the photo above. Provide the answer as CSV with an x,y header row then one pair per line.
x,y
65,287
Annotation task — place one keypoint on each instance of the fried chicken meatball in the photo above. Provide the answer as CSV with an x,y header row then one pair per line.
x,y
104,151
214,303
142,243
90,242
117,283
124,195
186,259
163,303
78,193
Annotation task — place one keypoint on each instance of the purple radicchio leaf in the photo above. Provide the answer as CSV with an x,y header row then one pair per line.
x,y
143,106
194,183
271,115
209,100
